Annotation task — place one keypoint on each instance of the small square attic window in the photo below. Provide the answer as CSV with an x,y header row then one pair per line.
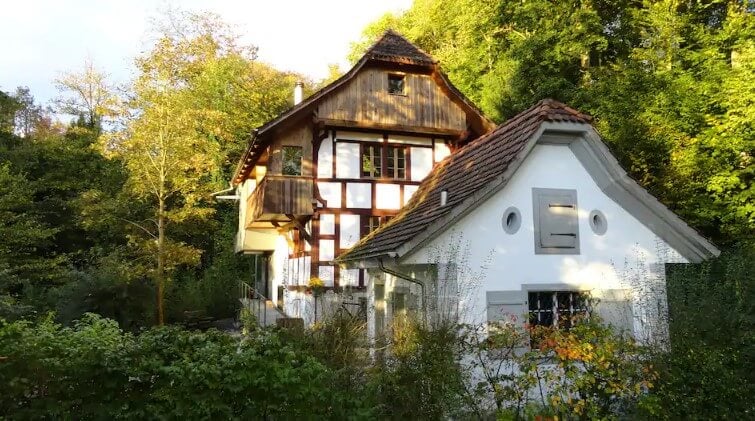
x,y
396,84
556,222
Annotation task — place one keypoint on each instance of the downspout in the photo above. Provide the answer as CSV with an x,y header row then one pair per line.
x,y
218,195
409,279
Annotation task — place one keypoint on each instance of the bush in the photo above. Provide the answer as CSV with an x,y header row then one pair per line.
x,y
95,370
421,376
708,371
131,303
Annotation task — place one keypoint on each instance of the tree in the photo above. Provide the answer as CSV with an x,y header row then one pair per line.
x,y
8,108
87,93
168,164
28,114
23,233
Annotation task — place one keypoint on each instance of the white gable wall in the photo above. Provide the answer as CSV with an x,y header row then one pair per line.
x,y
628,256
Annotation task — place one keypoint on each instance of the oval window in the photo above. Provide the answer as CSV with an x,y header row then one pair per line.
x,y
511,220
598,222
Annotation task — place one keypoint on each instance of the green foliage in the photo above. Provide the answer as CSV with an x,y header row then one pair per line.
x,y
708,371
669,82
419,375
94,370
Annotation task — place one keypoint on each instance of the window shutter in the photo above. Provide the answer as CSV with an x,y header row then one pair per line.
x,y
558,219
615,309
507,306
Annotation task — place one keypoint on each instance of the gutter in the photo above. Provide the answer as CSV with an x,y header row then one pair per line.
x,y
409,279
218,195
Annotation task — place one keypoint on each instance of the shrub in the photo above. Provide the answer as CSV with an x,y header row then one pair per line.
x,y
421,376
95,370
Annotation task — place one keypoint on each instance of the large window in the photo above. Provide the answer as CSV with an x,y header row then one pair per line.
x,y
384,161
291,157
557,308
372,161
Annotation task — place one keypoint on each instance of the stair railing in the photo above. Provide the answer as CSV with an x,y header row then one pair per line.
x,y
257,303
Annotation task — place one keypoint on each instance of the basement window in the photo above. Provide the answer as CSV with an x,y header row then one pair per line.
x,y
555,220
559,309
396,84
291,157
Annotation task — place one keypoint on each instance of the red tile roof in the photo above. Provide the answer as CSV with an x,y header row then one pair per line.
x,y
461,175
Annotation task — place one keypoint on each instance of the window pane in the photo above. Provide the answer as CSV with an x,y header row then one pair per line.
x,y
370,223
371,161
396,84
397,162
291,157
541,308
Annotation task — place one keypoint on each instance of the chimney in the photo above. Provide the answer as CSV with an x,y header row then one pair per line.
x,y
298,92
443,198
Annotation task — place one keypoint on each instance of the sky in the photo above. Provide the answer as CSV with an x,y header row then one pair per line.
x,y
42,38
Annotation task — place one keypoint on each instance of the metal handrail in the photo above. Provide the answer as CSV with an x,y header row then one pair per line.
x,y
252,294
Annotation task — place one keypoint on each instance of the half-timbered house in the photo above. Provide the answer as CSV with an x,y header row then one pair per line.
x,y
337,165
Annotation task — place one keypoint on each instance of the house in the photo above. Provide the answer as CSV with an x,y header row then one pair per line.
x,y
337,165
528,223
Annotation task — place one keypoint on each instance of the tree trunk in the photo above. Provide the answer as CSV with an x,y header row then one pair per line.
x,y
160,262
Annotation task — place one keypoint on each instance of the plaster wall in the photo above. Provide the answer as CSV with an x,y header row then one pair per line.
x,y
628,256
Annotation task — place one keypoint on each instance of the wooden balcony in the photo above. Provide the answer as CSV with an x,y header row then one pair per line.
x,y
277,199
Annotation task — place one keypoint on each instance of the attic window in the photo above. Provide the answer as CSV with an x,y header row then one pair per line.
x,y
556,223
396,84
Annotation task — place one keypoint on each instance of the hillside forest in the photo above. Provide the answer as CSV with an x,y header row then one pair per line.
x,y
106,202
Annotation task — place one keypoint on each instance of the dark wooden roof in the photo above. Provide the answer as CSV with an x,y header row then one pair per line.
x,y
393,47
390,48
461,175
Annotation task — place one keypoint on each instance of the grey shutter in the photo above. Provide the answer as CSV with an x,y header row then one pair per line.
x,y
614,307
558,219
507,306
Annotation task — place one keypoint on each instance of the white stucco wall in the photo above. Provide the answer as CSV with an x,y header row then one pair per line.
x,y
627,256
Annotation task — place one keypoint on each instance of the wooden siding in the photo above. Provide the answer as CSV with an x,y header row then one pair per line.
x,y
365,99
301,136
279,196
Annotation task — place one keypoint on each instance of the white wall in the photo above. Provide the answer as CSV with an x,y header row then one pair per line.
x,y
325,159
626,255
421,162
347,160
350,226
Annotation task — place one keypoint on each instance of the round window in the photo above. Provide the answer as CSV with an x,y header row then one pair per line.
x,y
511,220
598,222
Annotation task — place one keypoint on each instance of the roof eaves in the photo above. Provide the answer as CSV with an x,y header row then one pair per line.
x,y
468,205
262,130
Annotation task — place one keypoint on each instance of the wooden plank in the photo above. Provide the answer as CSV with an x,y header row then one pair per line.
x,y
347,124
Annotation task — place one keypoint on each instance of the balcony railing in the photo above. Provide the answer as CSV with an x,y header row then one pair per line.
x,y
278,197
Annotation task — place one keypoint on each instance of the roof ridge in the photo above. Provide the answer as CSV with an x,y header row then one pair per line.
x,y
411,51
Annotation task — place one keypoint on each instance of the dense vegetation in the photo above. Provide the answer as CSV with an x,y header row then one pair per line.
x,y
670,83
112,214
